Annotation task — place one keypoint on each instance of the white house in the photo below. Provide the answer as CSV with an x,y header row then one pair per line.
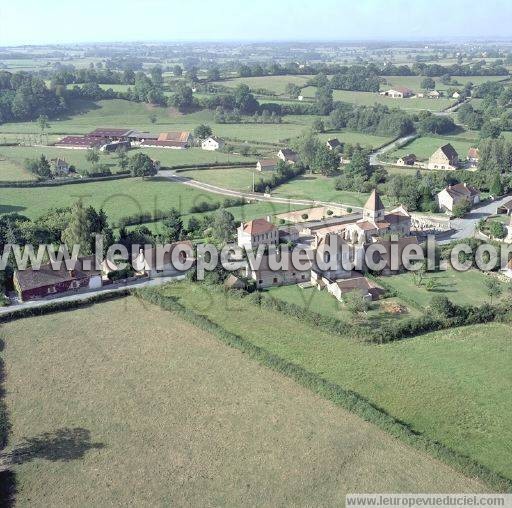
x,y
156,264
257,232
212,143
454,194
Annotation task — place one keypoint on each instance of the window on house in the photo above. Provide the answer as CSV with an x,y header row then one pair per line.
x,y
260,282
275,280
51,290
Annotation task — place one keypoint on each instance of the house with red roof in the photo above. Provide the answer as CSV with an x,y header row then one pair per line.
x,y
257,232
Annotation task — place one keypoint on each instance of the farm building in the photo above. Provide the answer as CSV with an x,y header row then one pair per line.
x,y
445,157
400,92
32,284
368,289
80,142
434,94
407,160
109,133
454,194
176,140
288,155
266,165
212,143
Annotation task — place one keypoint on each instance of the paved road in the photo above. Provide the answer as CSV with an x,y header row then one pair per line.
x,y
374,157
88,294
466,227
254,196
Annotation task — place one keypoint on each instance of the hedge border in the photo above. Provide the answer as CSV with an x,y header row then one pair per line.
x,y
335,393
61,306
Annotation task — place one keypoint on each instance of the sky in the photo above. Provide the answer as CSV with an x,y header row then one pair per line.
x,y
65,21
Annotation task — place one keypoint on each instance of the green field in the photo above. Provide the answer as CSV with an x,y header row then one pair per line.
x,y
146,409
324,303
321,188
464,288
371,98
235,178
451,385
424,146
414,82
275,84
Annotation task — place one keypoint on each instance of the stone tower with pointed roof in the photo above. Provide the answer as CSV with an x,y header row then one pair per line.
x,y
374,210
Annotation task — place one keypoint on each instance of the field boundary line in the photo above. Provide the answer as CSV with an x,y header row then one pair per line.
x,y
343,397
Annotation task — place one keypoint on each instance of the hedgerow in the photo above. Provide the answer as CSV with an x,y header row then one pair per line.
x,y
334,392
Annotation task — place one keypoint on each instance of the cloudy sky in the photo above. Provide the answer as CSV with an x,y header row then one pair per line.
x,y
60,21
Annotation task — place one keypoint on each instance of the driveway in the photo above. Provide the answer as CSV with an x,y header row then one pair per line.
x,y
466,227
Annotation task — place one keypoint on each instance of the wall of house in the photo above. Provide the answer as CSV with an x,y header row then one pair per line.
x,y
52,289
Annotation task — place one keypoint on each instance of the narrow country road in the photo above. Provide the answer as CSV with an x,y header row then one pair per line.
x,y
254,196
466,227
374,157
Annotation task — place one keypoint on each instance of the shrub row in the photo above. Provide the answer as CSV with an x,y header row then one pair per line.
x,y
334,392
461,315
207,206
207,165
56,183
61,306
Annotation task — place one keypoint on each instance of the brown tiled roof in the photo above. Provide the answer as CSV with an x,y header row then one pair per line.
x,y
355,283
46,276
80,141
258,226
461,189
288,153
473,153
108,132
366,225
374,202
181,137
156,142
402,89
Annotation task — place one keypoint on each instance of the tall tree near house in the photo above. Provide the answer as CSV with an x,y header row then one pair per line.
x,y
177,71
222,225
78,231
428,84
173,226
44,125
202,131
92,156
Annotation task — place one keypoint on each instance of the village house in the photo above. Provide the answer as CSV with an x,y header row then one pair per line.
x,y
33,284
434,94
59,167
456,95
473,157
454,194
407,160
368,289
399,92
212,143
147,261
257,232
266,165
265,277
445,157
287,155
333,144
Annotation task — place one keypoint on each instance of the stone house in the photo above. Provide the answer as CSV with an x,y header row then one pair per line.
x,y
453,194
445,157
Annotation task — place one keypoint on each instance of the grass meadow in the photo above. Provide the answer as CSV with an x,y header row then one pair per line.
x,y
463,288
146,409
450,385
424,146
